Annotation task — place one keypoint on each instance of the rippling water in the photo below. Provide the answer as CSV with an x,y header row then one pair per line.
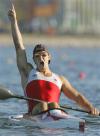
x,y
79,65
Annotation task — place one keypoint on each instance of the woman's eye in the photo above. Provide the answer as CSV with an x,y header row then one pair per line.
x,y
44,55
37,56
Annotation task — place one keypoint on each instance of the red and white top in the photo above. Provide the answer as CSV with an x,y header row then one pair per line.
x,y
43,88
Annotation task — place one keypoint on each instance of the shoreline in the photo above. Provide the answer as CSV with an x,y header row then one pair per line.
x,y
56,41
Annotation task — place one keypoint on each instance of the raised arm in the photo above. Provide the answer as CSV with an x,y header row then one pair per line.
x,y
17,38
22,64
74,95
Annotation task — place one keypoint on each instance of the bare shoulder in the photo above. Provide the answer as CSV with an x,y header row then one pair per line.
x,y
65,82
63,79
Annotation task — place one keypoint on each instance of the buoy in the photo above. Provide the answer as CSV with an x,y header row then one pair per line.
x,y
82,75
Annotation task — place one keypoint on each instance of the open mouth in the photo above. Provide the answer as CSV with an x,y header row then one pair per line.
x,y
42,63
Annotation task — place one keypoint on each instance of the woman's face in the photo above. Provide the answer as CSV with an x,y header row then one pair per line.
x,y
41,60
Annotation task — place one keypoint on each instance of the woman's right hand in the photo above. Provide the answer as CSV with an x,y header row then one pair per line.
x,y
12,13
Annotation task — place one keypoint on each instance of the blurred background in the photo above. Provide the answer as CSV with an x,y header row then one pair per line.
x,y
63,25
54,17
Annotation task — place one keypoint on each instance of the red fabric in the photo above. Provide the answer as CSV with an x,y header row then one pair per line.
x,y
42,90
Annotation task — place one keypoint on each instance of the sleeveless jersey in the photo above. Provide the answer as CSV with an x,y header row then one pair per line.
x,y
43,88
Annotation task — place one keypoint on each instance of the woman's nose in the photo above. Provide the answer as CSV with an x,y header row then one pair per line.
x,y
41,57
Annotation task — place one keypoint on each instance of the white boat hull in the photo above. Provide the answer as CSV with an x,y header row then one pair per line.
x,y
47,121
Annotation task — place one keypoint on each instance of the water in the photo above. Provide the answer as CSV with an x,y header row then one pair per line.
x,y
70,62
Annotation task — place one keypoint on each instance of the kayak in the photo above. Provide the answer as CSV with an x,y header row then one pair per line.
x,y
55,118
51,119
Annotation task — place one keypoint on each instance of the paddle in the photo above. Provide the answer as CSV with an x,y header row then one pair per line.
x,y
6,94
75,109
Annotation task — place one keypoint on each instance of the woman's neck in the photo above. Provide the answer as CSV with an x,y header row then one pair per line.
x,y
45,72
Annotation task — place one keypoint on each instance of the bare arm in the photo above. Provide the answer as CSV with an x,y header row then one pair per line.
x,y
74,95
22,64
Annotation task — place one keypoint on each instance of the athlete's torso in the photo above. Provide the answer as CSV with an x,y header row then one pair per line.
x,y
43,88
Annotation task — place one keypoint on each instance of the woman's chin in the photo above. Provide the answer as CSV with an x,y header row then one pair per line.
x,y
42,68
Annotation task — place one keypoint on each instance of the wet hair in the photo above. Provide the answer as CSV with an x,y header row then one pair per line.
x,y
39,47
